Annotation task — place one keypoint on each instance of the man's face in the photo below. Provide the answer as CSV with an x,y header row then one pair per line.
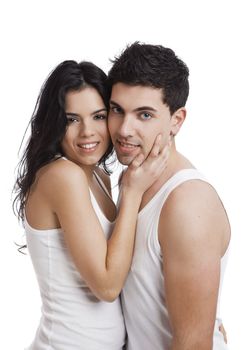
x,y
137,115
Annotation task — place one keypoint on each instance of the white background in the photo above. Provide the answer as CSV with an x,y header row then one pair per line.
x,y
207,35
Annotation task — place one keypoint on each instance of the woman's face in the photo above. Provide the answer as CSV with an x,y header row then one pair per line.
x,y
87,136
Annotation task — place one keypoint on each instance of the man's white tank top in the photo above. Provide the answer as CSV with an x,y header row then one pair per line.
x,y
72,317
143,296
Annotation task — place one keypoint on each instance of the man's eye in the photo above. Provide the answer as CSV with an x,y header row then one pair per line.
x,y
116,110
145,116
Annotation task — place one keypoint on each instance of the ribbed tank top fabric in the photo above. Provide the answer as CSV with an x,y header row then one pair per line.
x,y
143,296
72,318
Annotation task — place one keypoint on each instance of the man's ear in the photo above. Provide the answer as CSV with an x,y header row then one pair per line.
x,y
177,120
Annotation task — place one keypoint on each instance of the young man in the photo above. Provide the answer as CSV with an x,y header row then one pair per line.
x,y
172,291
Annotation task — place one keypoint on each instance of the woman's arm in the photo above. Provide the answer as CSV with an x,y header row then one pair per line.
x,y
103,265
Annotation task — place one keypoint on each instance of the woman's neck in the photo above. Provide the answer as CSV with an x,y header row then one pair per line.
x,y
88,170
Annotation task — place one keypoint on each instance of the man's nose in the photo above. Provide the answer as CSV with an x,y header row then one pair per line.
x,y
126,128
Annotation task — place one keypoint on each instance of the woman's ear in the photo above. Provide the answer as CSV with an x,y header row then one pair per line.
x,y
177,120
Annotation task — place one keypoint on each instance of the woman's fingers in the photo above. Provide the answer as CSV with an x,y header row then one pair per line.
x,y
164,153
158,154
138,160
222,330
143,172
156,147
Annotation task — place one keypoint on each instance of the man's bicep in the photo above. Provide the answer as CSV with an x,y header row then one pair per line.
x,y
191,267
191,288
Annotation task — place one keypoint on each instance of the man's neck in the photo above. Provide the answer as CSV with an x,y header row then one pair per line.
x,y
176,162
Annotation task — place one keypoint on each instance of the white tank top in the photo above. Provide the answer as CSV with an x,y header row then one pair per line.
x,y
143,296
72,317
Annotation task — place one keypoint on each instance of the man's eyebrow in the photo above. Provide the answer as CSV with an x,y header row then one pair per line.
x,y
114,104
138,109
145,108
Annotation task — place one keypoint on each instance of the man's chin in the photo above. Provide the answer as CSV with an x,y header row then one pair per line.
x,y
125,160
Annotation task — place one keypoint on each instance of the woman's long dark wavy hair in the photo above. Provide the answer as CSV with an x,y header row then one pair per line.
x,y
49,123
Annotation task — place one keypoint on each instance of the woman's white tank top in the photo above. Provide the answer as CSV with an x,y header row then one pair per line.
x,y
72,317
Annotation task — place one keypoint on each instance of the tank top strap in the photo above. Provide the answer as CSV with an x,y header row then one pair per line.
x,y
181,177
101,183
176,180
150,214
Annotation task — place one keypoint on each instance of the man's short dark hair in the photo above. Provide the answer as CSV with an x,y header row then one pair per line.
x,y
154,66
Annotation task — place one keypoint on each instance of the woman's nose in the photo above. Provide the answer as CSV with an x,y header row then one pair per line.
x,y
86,129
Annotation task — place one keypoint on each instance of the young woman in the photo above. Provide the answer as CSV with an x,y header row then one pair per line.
x,y
80,249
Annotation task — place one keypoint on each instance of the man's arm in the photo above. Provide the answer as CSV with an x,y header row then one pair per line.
x,y
193,233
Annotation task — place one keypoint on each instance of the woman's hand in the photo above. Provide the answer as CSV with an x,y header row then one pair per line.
x,y
142,173
223,331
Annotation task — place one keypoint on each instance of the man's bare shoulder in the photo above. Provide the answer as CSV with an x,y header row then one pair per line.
x,y
192,194
194,214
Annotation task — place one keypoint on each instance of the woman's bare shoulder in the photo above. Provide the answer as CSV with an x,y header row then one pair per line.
x,y
59,173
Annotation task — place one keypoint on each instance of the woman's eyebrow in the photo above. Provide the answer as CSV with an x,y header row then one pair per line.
x,y
100,110
73,114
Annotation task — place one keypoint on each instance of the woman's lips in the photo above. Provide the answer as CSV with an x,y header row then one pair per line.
x,y
89,146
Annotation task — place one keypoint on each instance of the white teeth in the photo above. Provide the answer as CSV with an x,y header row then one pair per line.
x,y
88,145
127,145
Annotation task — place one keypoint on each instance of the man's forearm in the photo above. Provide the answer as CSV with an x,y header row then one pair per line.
x,y
192,344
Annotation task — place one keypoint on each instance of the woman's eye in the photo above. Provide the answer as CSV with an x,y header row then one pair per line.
x,y
100,117
71,120
145,116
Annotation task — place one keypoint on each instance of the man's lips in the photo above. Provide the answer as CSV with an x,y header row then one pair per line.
x,y
127,148
128,145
